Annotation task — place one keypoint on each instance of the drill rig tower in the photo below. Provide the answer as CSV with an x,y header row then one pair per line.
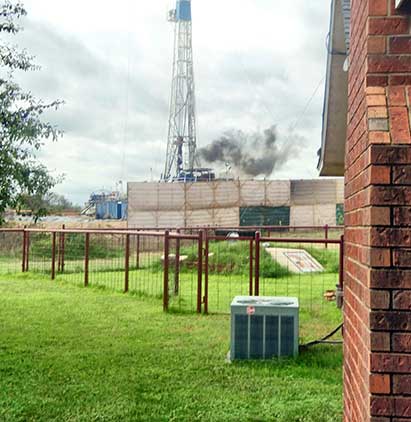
x,y
182,142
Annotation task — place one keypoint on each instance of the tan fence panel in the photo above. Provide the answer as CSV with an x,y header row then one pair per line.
x,y
226,194
340,191
171,196
312,192
142,219
199,218
302,215
278,193
170,219
199,195
142,197
225,217
325,214
252,194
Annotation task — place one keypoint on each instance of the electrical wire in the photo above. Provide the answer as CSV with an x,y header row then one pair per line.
x,y
307,106
325,340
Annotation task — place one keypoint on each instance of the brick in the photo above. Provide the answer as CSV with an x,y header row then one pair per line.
x,y
400,45
402,298
376,100
376,45
390,279
379,216
388,26
399,124
401,175
380,342
390,195
402,257
377,264
379,137
378,8
377,112
380,175
402,384
374,90
390,321
389,64
402,216
381,406
377,80
390,362
380,384
402,407
378,125
399,79
401,342
396,96
386,154
379,257
380,299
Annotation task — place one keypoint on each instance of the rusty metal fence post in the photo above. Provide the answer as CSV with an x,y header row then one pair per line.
x,y
326,229
53,255
24,251
27,251
341,272
200,270
250,292
206,258
86,259
340,286
166,269
127,264
257,264
138,252
177,267
61,242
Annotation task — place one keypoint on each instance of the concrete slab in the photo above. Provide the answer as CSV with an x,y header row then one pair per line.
x,y
298,261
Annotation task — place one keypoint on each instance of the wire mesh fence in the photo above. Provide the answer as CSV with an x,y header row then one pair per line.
x,y
39,246
195,271
146,264
11,251
184,269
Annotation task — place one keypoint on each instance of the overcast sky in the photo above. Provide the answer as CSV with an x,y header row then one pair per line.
x,y
257,63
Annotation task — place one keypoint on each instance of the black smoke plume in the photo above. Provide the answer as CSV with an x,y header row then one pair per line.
x,y
253,154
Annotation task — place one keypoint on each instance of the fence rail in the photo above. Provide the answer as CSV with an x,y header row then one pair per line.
x,y
198,269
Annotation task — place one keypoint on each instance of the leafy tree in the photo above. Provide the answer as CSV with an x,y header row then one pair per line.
x,y
51,203
22,131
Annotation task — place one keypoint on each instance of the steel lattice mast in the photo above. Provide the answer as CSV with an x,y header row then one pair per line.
x,y
182,142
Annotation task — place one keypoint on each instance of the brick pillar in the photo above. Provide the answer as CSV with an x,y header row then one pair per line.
x,y
377,351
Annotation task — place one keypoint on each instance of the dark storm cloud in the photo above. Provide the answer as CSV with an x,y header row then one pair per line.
x,y
253,154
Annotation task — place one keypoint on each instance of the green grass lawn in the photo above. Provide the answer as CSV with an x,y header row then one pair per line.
x,y
75,354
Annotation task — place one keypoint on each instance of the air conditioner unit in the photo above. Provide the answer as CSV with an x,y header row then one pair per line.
x,y
264,327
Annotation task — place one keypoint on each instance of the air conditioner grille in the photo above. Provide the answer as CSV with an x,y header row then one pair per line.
x,y
256,336
241,336
262,328
287,336
271,336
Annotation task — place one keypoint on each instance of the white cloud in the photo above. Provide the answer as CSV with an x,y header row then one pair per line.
x,y
257,63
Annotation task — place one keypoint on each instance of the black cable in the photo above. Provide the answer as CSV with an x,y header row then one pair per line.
x,y
324,339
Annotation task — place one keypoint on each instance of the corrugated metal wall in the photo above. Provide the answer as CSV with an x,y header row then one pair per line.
x,y
218,203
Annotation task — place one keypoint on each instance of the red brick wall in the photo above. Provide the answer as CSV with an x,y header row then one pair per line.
x,y
377,351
